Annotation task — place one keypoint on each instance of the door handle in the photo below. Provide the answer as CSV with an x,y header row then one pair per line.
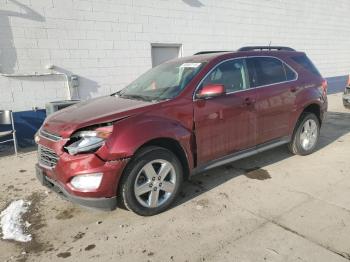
x,y
216,115
249,101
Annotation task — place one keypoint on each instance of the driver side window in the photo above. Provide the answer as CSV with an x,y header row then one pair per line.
x,y
231,74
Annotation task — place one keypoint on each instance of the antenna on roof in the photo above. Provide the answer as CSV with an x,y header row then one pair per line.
x,y
267,48
269,43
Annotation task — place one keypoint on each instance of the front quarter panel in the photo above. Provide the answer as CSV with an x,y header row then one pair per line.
x,y
131,133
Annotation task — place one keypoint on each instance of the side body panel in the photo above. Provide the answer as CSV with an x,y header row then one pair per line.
x,y
274,106
308,92
224,125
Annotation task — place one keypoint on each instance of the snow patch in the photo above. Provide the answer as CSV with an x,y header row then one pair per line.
x,y
12,223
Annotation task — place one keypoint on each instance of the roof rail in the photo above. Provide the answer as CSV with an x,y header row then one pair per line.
x,y
209,52
268,48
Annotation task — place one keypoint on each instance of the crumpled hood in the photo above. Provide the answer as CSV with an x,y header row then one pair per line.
x,y
91,112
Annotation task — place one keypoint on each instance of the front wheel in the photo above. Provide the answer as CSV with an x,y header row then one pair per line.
x,y
306,135
152,181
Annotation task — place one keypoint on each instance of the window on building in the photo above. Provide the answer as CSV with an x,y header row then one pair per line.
x,y
164,52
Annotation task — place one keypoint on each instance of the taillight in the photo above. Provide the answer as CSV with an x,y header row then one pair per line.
x,y
324,87
347,89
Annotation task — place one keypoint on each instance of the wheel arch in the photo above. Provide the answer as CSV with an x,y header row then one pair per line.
x,y
315,109
164,142
168,143
172,145
295,144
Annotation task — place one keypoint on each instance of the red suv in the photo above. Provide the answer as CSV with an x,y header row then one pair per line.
x,y
180,118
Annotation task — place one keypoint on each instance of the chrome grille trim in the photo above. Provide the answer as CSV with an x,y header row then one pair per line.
x,y
49,136
47,157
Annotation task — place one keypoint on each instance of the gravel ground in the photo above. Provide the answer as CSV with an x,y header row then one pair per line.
x,y
270,207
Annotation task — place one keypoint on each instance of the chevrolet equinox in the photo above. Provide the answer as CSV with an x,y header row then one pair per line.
x,y
182,117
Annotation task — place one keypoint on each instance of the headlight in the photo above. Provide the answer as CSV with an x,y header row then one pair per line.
x,y
89,140
37,137
87,182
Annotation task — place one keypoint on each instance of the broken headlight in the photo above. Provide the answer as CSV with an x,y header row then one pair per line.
x,y
88,140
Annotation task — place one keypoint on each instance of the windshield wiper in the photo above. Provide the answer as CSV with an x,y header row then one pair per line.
x,y
136,97
116,93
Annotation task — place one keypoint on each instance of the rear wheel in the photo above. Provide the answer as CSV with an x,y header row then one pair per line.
x,y
306,135
151,181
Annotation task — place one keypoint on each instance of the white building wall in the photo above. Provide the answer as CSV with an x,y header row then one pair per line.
x,y
107,43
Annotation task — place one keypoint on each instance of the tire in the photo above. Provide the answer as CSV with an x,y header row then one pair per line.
x,y
299,144
142,191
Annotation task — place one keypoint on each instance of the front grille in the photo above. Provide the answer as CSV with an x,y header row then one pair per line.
x,y
47,157
49,135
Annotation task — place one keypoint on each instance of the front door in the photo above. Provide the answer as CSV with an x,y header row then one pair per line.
x,y
225,124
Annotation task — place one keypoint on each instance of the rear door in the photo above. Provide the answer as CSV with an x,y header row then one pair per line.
x,y
274,82
225,124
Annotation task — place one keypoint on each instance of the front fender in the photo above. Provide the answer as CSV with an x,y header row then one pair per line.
x,y
131,133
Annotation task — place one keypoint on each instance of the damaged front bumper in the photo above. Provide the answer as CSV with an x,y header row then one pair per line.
x,y
99,203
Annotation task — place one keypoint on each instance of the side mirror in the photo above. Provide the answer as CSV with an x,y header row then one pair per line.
x,y
211,90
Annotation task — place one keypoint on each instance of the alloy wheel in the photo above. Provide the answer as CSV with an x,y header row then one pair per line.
x,y
309,134
155,183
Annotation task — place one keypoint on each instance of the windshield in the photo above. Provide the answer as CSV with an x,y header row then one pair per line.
x,y
162,82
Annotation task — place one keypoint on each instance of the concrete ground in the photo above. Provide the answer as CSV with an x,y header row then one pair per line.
x,y
270,207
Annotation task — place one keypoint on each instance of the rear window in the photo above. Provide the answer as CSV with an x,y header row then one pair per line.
x,y
268,70
290,74
306,63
